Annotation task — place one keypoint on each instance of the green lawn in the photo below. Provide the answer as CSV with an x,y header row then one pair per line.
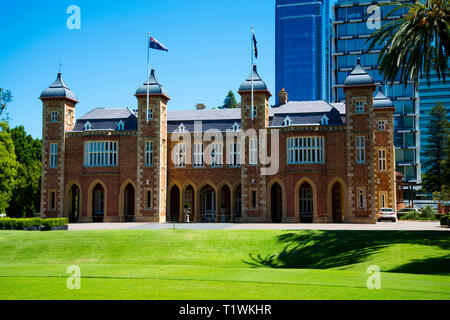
x,y
188,264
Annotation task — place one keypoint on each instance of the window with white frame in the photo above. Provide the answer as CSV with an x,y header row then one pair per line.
x,y
382,160
303,150
324,120
361,198
53,155
255,112
150,114
88,126
54,116
121,126
198,155
149,153
181,128
234,154
360,149
287,121
180,155
216,155
359,107
100,153
253,151
381,125
236,127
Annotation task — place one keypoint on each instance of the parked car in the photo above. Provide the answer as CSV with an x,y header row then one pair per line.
x,y
387,214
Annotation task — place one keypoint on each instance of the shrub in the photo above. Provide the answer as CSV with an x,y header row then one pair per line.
x,y
427,212
410,215
57,222
6,223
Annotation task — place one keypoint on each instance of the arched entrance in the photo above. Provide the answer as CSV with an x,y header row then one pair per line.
x,y
128,203
189,196
207,204
225,204
276,202
74,204
336,202
175,203
98,203
306,203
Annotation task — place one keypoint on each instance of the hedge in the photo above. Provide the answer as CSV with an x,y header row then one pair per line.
x,y
23,223
445,220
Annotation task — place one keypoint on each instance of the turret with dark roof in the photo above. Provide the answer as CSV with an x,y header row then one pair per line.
x,y
155,88
58,90
258,83
359,77
381,101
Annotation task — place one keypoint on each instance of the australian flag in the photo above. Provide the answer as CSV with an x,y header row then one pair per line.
x,y
155,44
256,47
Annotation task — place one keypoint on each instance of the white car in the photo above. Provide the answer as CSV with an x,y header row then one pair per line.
x,y
387,214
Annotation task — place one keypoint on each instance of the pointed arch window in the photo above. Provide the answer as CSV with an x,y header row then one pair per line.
x,y
88,126
324,120
121,126
287,121
181,128
236,127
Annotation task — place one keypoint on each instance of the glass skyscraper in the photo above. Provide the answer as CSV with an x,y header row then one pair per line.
x,y
353,23
303,49
430,95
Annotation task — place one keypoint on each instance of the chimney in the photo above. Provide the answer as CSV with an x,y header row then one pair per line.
x,y
283,97
200,106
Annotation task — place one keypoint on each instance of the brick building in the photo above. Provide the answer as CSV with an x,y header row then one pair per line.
x,y
292,162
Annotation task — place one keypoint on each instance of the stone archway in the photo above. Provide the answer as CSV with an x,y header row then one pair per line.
x,y
174,202
207,204
225,204
306,202
337,203
276,203
98,203
128,203
74,204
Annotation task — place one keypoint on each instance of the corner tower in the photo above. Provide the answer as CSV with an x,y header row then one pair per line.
x,y
254,206
58,117
360,116
151,175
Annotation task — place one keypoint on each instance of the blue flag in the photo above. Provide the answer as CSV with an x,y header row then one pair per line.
x,y
254,43
155,44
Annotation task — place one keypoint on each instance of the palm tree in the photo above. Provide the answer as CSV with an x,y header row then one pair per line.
x,y
416,43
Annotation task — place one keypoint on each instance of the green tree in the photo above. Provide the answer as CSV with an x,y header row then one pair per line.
x,y
8,167
26,200
229,102
416,43
436,149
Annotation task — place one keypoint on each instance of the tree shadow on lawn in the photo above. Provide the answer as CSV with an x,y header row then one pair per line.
x,y
331,249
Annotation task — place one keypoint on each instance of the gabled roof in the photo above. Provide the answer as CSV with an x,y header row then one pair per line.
x,y
154,87
108,119
58,89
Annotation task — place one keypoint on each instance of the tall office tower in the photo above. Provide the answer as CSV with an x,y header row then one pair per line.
x,y
353,23
302,51
431,93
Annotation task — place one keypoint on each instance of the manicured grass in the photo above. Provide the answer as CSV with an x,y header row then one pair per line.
x,y
194,264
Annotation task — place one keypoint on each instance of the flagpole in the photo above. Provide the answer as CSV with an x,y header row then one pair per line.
x,y
148,76
252,115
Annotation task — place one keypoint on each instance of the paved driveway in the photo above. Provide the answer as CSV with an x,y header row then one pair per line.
x,y
399,225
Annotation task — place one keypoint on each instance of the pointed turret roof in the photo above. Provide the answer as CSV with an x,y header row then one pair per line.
x,y
359,76
258,83
154,88
381,101
58,90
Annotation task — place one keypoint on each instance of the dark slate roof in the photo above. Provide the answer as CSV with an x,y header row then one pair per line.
x,y
306,114
58,90
258,83
108,119
359,76
154,88
381,101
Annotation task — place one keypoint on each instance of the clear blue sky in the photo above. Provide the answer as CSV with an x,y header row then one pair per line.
x,y
105,61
